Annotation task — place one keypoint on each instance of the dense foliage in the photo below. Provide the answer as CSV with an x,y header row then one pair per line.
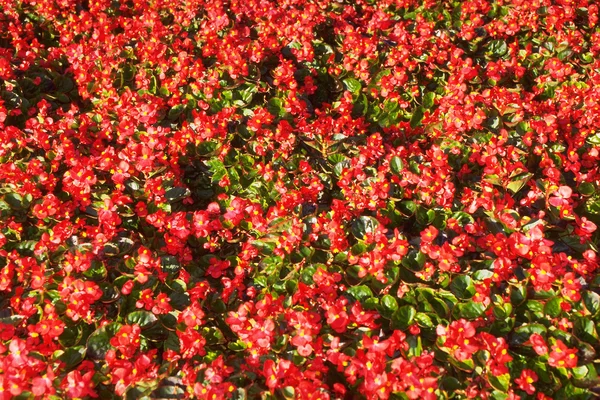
x,y
299,199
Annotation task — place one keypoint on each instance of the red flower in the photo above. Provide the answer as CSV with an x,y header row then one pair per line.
x,y
337,317
538,343
562,356
270,373
192,316
191,343
127,339
429,234
41,385
526,380
79,385
461,338
217,267
561,196
571,287
146,300
161,304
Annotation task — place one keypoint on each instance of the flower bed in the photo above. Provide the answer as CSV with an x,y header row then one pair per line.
x,y
299,199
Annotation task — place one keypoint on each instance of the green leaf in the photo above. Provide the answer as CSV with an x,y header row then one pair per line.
x,y
500,382
483,274
518,294
493,121
594,139
307,273
524,332
396,165
571,392
450,383
425,216
517,184
470,310
169,264
163,91
360,292
591,300
423,320
64,84
466,365
275,107
552,307
502,311
584,329
352,85
172,342
364,225
180,301
359,248
462,287
565,54
389,304
497,47
111,249
176,194
414,260
266,247
218,170
152,85
288,392
239,394
12,320
97,271
169,388
175,112
417,117
407,207
237,346
98,342
585,376
587,58
71,356
586,188
5,209
463,218
207,148
15,200
428,100
403,317
142,318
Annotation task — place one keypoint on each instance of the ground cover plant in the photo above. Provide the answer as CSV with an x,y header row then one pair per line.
x,y
305,199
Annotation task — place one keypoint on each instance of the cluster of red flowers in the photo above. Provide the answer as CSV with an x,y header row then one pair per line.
x,y
299,199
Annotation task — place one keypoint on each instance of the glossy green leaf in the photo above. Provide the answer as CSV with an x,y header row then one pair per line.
x,y
417,117
176,194
360,292
363,226
169,264
98,342
428,100
591,300
470,310
389,304
71,356
462,287
396,165
522,333
403,317
142,318
552,307
499,382
352,85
